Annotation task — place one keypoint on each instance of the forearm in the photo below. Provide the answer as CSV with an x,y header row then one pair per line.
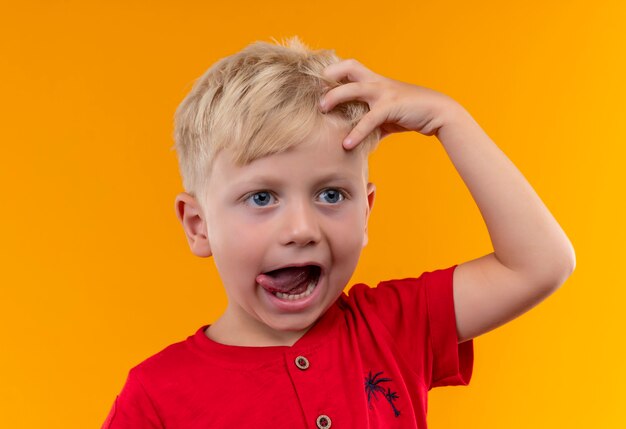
x,y
525,236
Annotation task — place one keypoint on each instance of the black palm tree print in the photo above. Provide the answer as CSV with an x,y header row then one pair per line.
x,y
373,388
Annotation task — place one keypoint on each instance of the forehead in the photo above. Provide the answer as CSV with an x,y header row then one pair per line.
x,y
321,154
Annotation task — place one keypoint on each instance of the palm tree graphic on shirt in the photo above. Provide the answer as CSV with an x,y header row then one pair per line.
x,y
373,388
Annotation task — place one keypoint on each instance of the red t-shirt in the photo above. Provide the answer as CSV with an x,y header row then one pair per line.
x,y
368,362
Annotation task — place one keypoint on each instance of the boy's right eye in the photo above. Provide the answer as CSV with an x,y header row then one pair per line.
x,y
260,199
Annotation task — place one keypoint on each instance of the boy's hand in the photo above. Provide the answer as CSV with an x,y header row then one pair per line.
x,y
394,106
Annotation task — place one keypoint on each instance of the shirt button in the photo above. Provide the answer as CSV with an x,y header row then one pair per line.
x,y
302,362
323,422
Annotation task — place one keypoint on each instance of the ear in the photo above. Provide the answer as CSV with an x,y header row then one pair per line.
x,y
371,193
189,213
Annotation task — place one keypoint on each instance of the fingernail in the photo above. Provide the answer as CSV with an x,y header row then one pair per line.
x,y
347,143
322,103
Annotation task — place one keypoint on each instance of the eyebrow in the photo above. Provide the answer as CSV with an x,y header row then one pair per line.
x,y
271,180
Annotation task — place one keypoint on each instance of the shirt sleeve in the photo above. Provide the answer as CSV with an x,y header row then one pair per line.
x,y
452,362
133,408
419,315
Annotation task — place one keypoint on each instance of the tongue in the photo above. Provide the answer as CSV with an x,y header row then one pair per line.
x,y
285,280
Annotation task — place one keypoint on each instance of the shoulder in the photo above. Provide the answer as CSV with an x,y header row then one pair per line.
x,y
403,304
401,287
176,357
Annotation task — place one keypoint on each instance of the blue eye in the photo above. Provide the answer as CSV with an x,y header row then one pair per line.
x,y
332,196
261,199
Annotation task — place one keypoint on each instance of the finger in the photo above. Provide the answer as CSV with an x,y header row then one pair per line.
x,y
365,127
351,69
362,91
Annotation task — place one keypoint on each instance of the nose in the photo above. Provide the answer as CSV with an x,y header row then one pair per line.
x,y
300,225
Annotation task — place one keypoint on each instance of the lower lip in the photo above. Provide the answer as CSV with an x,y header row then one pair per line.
x,y
297,304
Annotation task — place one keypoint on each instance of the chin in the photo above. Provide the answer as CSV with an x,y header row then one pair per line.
x,y
294,324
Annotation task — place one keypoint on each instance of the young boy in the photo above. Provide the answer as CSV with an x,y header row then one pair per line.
x,y
273,143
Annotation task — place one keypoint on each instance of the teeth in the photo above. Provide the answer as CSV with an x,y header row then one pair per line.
x,y
304,294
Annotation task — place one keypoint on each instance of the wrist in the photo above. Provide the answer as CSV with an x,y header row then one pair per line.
x,y
453,116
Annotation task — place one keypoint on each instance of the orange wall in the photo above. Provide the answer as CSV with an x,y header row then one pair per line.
x,y
96,271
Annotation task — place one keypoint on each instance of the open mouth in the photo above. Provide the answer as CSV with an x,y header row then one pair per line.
x,y
291,283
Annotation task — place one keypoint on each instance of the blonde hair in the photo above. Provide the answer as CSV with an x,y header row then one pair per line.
x,y
259,101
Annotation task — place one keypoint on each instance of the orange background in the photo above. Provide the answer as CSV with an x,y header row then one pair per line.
x,y
96,271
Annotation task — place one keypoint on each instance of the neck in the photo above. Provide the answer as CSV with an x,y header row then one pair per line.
x,y
232,332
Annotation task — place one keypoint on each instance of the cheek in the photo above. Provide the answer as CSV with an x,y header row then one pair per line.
x,y
236,247
232,232
347,238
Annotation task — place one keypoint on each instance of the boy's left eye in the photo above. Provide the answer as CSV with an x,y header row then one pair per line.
x,y
332,196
